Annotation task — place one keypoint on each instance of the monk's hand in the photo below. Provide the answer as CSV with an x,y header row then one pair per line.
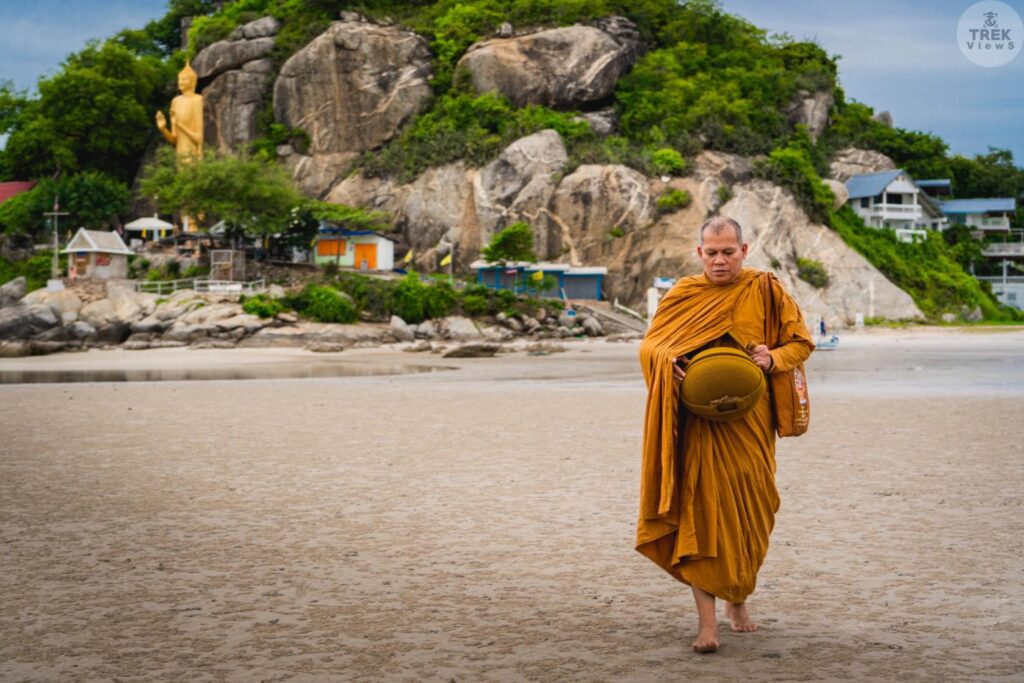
x,y
160,120
677,372
761,357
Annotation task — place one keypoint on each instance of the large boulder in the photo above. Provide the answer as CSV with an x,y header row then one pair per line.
x,y
241,72
811,110
852,161
353,87
460,328
100,312
518,186
11,292
232,104
839,191
595,204
22,321
562,67
260,28
228,55
62,302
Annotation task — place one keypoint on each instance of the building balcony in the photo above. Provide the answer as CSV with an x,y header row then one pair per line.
x,y
989,223
1008,250
903,212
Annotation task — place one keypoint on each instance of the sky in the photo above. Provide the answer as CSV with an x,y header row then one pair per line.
x,y
900,57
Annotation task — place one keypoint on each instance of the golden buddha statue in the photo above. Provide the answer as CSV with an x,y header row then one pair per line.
x,y
186,131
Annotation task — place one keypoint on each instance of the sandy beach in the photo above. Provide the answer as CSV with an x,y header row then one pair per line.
x,y
477,523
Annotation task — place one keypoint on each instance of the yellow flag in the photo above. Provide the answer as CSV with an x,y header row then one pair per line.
x,y
446,260
538,276
408,257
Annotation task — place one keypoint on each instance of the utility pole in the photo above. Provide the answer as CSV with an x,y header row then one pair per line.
x,y
54,215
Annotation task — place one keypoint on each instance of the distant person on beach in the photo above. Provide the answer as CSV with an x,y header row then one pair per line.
x,y
708,497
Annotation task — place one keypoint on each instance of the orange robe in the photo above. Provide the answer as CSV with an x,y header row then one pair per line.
x,y
708,499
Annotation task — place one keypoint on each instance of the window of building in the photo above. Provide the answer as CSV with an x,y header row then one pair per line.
x,y
330,248
865,202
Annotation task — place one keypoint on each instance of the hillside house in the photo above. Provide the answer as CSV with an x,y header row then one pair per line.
x,y
891,199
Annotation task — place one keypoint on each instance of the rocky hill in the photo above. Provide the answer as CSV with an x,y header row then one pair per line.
x,y
356,85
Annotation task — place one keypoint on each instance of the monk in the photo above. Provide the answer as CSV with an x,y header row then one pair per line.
x,y
708,497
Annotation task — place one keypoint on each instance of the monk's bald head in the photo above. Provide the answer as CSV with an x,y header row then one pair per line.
x,y
721,225
721,249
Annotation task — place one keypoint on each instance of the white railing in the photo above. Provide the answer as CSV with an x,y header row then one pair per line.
x,y
1004,249
229,287
163,286
896,209
1000,280
999,223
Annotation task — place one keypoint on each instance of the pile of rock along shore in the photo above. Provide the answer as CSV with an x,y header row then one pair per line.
x,y
44,322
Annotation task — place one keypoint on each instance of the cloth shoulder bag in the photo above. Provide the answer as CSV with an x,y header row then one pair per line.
x,y
791,404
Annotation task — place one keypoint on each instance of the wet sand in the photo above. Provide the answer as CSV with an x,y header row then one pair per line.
x,y
477,524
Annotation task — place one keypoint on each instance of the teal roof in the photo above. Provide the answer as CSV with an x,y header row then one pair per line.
x,y
870,184
979,205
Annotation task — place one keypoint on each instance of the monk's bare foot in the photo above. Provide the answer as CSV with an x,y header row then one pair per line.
x,y
707,639
738,617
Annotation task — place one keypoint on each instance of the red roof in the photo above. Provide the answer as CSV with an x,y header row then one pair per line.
x,y
8,190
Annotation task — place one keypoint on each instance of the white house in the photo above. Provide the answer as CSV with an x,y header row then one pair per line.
x,y
361,249
988,215
891,199
97,254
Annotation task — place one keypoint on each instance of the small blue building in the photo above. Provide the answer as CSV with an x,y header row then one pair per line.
x,y
574,282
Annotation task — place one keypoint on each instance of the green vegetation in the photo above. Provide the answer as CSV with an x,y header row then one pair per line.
x,y
513,243
792,166
35,270
673,200
667,161
724,194
415,300
263,306
90,198
467,127
243,192
926,270
94,114
324,304
812,272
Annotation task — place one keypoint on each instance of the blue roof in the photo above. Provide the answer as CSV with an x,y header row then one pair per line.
x,y
935,182
344,232
980,205
870,184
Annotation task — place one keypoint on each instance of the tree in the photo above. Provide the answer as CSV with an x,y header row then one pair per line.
x,y
95,114
514,243
167,30
91,200
243,192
